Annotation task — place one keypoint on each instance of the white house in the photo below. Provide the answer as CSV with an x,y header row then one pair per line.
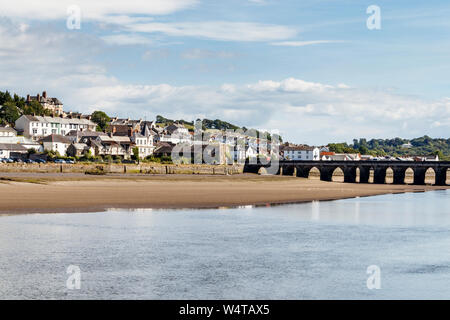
x,y
56,143
303,153
7,132
144,144
39,127
12,150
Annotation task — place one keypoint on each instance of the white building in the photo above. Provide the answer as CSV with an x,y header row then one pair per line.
x,y
12,150
7,132
56,143
39,127
175,133
303,153
144,144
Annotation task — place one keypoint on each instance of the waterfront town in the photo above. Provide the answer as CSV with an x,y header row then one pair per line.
x,y
66,137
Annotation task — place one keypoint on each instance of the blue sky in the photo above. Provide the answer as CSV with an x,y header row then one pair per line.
x,y
310,69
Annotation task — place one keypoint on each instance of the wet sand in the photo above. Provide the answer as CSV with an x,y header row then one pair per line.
x,y
49,193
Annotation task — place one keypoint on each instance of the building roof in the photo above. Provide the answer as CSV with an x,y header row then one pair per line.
x,y
298,148
13,147
46,119
56,138
164,147
7,129
174,127
80,146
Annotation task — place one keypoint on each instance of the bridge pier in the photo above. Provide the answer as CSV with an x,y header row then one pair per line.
x,y
419,176
303,172
399,175
326,173
288,171
441,176
350,174
379,175
364,174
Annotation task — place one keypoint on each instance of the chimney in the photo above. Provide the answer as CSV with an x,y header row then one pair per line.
x,y
44,94
28,98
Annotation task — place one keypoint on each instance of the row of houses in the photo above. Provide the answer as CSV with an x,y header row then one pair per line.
x,y
307,153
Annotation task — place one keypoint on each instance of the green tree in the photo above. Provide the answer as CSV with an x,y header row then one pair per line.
x,y
101,119
363,149
9,112
135,155
35,108
5,97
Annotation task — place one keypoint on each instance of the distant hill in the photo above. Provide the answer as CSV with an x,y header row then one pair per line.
x,y
396,147
206,124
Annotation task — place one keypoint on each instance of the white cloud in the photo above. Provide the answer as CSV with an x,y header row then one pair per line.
x,y
218,30
98,9
126,39
303,43
197,53
133,17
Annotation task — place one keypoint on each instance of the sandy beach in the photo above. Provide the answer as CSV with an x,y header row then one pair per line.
x,y
49,193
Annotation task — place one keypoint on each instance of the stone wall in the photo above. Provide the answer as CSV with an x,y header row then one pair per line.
x,y
121,168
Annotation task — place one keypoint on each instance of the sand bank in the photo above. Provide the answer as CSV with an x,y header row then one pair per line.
x,y
34,193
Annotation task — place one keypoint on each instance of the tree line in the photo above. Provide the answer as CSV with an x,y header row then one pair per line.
x,y
421,146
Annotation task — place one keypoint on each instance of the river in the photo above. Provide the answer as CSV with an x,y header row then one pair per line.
x,y
318,250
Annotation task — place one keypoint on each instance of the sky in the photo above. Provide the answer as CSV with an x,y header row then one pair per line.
x,y
311,70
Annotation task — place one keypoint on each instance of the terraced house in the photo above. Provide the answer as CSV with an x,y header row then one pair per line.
x,y
38,127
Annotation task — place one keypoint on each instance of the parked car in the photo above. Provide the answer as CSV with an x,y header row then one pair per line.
x,y
40,161
9,160
59,161
70,161
29,161
18,160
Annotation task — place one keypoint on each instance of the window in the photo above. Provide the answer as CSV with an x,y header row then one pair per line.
x,y
34,131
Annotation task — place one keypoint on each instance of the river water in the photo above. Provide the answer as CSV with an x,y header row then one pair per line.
x,y
318,250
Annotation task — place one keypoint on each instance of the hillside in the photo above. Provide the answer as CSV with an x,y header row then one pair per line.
x,y
396,147
209,124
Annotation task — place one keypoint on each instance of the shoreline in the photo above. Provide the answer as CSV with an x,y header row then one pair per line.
x,y
74,193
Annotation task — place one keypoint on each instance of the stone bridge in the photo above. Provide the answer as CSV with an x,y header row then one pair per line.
x,y
353,169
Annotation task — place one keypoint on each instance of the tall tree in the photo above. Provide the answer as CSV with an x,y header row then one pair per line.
x,y
9,112
101,119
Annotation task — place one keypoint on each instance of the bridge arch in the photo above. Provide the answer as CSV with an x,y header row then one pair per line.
x,y
420,175
390,173
338,175
308,172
